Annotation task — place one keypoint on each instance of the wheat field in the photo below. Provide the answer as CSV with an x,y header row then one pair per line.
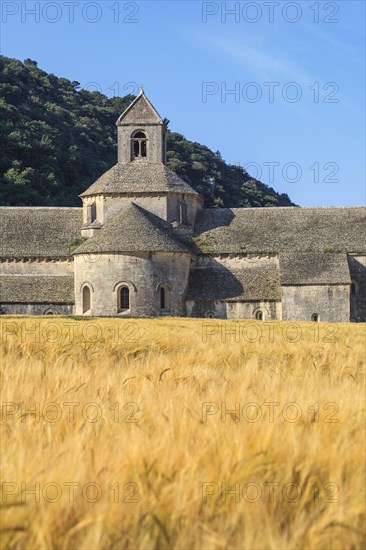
x,y
181,434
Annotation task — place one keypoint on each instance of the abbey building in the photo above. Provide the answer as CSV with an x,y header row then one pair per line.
x,y
144,245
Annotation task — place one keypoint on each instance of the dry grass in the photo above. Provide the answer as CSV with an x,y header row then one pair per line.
x,y
174,456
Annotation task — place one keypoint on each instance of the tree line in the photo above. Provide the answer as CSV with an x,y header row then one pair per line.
x,y
57,139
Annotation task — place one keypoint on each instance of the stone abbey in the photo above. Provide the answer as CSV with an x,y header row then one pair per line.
x,y
144,245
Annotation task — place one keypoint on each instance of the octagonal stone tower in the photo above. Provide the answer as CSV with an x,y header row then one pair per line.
x,y
133,262
141,175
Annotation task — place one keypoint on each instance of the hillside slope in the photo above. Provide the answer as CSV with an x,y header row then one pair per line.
x,y
57,139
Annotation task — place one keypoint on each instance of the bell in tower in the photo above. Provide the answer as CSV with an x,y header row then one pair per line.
x,y
141,133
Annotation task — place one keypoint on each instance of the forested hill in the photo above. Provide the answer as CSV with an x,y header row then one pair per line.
x,y
56,139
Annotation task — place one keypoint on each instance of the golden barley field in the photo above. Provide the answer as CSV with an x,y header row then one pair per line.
x,y
181,434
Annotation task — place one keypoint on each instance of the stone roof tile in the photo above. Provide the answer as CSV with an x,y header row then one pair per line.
x,y
139,177
245,284
38,231
314,268
282,229
37,289
133,229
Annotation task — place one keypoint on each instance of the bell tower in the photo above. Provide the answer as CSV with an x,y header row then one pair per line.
x,y
141,133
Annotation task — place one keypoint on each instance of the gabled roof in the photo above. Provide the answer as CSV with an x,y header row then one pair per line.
x,y
139,177
314,268
282,229
133,229
141,110
38,231
37,289
244,284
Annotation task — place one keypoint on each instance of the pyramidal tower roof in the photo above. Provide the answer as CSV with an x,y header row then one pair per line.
x,y
133,229
139,177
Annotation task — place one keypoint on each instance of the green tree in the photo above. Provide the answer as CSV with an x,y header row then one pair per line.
x,y
57,139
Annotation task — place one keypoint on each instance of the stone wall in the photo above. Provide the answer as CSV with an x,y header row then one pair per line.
x,y
155,204
233,310
155,142
166,208
192,202
357,265
248,310
330,302
142,273
238,261
37,266
37,309
206,308
109,206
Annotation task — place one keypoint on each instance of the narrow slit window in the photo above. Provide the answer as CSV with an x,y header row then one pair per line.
x,y
162,298
259,316
91,212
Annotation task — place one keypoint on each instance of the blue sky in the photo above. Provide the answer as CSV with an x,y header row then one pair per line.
x,y
295,117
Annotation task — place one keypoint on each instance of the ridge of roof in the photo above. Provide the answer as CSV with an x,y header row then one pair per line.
x,y
276,208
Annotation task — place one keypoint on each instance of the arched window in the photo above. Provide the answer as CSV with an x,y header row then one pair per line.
x,y
259,315
139,145
86,299
210,314
123,298
315,317
354,286
163,290
162,298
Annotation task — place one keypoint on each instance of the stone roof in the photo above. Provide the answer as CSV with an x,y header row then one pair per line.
x,y
311,242
245,284
314,268
38,231
133,229
140,110
37,289
139,176
282,229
